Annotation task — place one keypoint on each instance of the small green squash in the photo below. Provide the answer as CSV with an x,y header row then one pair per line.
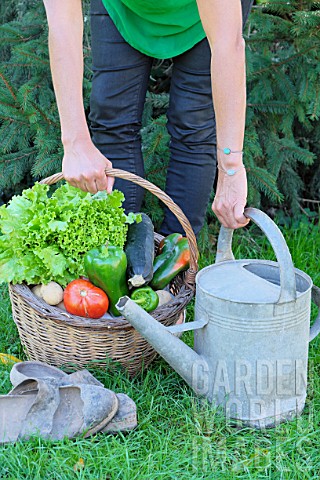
x,y
139,249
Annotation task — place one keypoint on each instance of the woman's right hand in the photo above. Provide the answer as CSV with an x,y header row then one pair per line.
x,y
83,166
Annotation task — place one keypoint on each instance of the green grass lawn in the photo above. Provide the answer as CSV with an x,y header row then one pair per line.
x,y
178,436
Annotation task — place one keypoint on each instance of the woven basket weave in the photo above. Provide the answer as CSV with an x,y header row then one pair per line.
x,y
51,335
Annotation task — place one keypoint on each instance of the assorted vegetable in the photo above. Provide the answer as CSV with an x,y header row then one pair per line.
x,y
106,267
44,238
85,299
173,258
36,290
139,250
50,242
164,297
62,306
146,298
52,293
108,276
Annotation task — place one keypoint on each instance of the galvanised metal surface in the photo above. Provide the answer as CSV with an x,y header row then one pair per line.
x,y
256,352
252,331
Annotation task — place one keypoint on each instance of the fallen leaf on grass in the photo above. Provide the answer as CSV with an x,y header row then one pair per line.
x,y
7,359
79,465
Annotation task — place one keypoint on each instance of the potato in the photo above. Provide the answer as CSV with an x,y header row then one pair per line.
x,y
61,305
52,293
164,297
36,290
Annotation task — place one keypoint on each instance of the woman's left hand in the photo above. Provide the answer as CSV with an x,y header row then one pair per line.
x,y
230,199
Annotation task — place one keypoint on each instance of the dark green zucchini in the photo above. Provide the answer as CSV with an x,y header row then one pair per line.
x,y
139,249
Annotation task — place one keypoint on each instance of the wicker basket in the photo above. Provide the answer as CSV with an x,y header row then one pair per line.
x,y
51,335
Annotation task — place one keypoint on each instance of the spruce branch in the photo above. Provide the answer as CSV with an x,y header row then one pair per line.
x,y
7,84
276,65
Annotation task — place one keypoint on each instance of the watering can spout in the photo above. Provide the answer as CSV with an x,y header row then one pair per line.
x,y
192,367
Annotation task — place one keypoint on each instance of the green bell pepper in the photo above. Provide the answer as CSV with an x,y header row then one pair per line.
x,y
106,268
173,258
146,298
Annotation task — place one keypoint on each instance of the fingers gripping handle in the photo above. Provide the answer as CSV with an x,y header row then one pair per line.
x,y
278,243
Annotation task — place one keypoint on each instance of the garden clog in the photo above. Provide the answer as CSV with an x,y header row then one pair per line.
x,y
54,412
124,420
39,370
126,417
17,412
33,369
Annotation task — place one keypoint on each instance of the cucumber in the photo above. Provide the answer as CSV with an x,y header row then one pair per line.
x,y
139,249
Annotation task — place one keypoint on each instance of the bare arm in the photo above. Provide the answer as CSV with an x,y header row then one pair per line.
x,y
83,165
222,22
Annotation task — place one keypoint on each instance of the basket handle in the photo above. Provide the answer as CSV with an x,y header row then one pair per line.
x,y
131,177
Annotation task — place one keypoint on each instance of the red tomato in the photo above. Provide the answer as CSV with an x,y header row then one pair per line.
x,y
83,298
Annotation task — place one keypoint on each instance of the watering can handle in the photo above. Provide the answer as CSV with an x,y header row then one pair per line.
x,y
278,243
315,329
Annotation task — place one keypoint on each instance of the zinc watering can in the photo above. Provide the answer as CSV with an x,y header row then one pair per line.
x,y
251,332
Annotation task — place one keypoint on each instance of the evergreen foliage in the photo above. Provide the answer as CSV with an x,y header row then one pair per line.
x,y
29,120
29,123
283,71
282,143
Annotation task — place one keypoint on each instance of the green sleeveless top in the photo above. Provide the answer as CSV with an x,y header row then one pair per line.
x,y
158,28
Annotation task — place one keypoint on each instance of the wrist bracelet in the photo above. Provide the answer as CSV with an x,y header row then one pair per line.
x,y
227,151
230,171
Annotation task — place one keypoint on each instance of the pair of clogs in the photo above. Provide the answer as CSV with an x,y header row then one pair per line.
x,y
49,403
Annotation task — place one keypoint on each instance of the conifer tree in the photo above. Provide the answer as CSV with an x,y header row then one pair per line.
x,y
30,146
283,71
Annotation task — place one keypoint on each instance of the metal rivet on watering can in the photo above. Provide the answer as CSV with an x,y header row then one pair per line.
x,y
252,330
